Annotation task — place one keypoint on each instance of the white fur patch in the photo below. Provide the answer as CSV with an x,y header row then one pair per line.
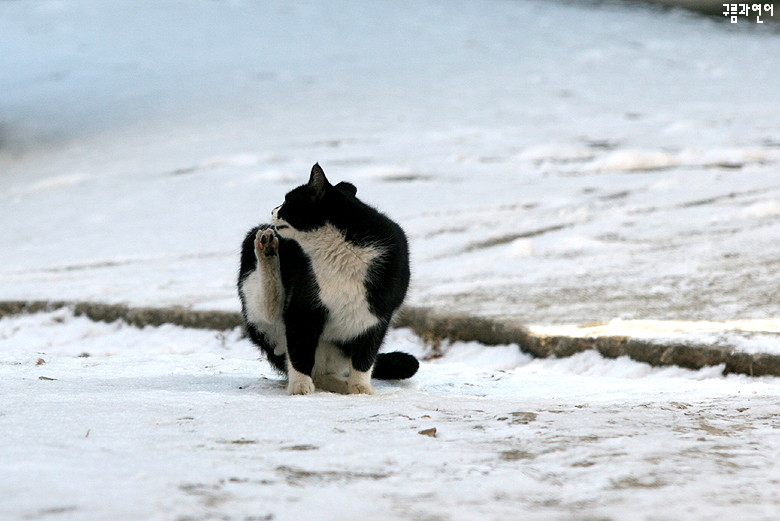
x,y
359,382
253,290
297,382
331,368
340,269
329,360
263,300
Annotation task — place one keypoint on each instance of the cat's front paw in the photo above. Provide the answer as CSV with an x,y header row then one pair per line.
x,y
266,243
359,382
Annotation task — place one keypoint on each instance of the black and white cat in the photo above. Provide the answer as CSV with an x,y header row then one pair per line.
x,y
319,287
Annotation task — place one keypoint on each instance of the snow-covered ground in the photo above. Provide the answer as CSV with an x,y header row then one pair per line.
x,y
559,163
746,336
106,421
552,162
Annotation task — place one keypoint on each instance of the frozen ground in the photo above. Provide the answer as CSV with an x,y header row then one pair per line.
x,y
174,424
557,163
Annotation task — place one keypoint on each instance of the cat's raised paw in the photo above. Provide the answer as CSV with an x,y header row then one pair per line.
x,y
266,243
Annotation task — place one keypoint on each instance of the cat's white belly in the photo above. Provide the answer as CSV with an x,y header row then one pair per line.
x,y
347,320
340,269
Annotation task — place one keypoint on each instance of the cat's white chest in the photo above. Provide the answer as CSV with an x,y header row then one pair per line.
x,y
340,269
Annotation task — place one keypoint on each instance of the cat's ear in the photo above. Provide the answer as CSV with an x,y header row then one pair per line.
x,y
347,188
317,180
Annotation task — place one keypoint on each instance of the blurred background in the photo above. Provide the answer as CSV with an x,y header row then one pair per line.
x,y
551,161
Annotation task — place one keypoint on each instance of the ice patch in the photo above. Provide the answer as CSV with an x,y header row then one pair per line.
x,y
635,160
521,248
763,209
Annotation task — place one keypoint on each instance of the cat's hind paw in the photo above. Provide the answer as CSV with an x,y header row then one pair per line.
x,y
302,386
266,243
361,389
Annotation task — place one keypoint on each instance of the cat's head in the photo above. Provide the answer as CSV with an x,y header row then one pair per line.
x,y
309,207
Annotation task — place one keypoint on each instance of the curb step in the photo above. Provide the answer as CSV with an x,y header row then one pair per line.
x,y
429,324
432,326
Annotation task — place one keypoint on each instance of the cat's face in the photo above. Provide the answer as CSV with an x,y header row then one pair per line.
x,y
309,207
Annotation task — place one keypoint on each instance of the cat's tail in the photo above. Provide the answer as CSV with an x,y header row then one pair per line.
x,y
395,366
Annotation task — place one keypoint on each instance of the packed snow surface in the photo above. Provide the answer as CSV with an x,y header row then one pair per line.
x,y
106,421
558,163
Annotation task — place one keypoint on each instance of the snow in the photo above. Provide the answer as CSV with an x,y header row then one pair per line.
x,y
628,170
747,336
587,168
169,423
